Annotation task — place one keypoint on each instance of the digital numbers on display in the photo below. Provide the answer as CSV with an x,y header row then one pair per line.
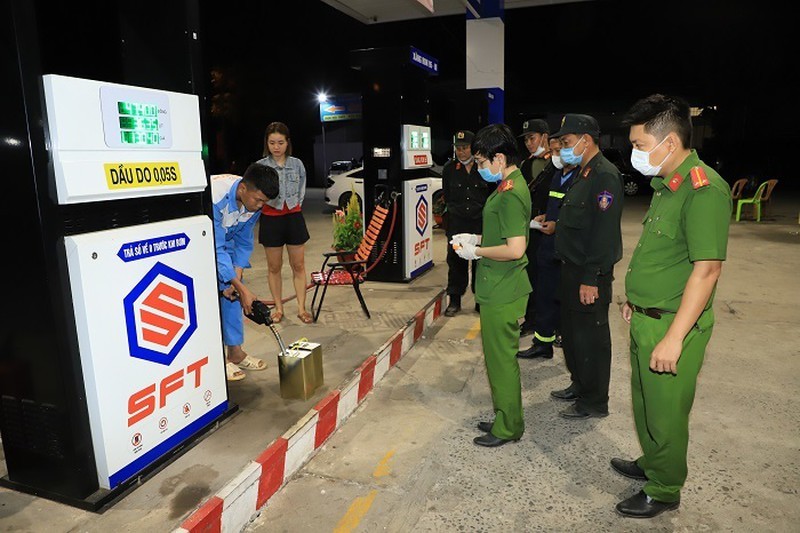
x,y
138,123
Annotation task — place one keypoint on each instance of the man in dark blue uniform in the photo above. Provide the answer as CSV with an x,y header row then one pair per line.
x,y
538,171
589,244
465,193
547,278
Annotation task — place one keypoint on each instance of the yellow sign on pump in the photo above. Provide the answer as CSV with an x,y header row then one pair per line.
x,y
132,175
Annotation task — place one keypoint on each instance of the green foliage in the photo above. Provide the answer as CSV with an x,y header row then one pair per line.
x,y
347,226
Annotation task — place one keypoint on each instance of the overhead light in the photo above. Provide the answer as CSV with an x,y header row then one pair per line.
x,y
322,98
11,141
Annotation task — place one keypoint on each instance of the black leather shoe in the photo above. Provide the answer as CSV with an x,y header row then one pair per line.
x,y
453,308
486,427
642,506
543,350
573,412
566,395
628,469
490,441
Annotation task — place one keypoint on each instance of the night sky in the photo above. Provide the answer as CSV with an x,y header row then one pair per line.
x,y
597,56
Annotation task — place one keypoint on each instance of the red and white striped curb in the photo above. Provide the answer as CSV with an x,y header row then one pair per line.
x,y
232,508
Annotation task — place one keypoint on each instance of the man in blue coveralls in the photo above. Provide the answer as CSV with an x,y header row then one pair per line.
x,y
237,205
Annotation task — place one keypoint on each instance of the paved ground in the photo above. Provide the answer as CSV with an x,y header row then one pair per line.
x,y
405,461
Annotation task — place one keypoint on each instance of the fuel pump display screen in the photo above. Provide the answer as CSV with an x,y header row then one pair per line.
x,y
415,140
135,118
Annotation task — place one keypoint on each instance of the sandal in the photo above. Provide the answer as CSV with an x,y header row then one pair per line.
x,y
232,372
251,363
276,316
305,317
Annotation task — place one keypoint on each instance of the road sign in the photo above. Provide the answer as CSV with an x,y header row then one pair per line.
x,y
340,108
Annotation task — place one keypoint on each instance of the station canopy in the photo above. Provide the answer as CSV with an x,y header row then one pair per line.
x,y
377,11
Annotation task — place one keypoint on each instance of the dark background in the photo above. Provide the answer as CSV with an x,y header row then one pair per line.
x,y
732,58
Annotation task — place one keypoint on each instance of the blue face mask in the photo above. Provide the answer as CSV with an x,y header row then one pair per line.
x,y
487,175
568,155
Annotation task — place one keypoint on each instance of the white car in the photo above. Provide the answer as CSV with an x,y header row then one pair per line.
x,y
340,187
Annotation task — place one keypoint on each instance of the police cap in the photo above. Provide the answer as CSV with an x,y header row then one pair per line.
x,y
578,124
534,125
463,138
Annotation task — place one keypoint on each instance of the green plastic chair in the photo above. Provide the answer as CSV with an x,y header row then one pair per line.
x,y
755,201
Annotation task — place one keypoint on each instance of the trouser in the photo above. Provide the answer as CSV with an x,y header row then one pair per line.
x,y
586,339
547,308
532,268
232,322
500,336
458,276
662,402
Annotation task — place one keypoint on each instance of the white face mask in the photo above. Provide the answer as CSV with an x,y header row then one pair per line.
x,y
467,161
556,159
641,161
539,151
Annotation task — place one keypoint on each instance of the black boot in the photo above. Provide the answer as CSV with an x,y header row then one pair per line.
x,y
538,349
454,306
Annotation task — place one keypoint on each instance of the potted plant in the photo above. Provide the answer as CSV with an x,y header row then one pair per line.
x,y
347,229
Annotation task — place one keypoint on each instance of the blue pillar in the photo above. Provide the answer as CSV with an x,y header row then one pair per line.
x,y
486,53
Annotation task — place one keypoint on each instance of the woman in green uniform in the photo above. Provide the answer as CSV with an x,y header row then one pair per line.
x,y
502,284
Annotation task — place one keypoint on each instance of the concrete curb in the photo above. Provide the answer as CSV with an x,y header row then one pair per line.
x,y
238,502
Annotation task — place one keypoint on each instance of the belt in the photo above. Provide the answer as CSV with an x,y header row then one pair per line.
x,y
652,312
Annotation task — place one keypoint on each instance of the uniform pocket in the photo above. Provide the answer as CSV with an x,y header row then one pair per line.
x,y
705,322
662,227
573,215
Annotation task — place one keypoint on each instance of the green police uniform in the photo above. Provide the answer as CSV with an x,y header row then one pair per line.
x,y
687,221
502,290
589,242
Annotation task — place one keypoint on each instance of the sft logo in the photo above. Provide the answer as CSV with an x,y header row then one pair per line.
x,y
422,215
160,314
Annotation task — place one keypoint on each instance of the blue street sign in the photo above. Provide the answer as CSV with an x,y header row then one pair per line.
x,y
340,108
424,61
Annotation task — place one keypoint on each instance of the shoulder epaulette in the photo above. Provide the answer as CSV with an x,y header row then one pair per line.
x,y
505,185
675,182
699,178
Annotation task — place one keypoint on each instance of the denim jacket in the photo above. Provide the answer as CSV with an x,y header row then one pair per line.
x,y
292,182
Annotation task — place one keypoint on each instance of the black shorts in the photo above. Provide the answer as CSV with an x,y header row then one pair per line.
x,y
275,231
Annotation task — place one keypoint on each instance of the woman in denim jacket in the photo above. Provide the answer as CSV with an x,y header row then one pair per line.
x,y
282,223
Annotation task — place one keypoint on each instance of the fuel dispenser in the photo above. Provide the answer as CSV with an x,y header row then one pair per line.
x,y
397,154
112,363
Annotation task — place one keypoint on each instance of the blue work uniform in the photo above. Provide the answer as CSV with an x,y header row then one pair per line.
x,y
233,240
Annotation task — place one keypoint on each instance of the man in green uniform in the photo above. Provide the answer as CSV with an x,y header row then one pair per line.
x,y
589,243
670,288
502,286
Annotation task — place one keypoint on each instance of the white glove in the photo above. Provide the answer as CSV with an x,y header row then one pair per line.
x,y
461,238
467,251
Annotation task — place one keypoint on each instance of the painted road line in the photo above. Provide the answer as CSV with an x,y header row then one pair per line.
x,y
355,513
361,505
474,331
383,468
